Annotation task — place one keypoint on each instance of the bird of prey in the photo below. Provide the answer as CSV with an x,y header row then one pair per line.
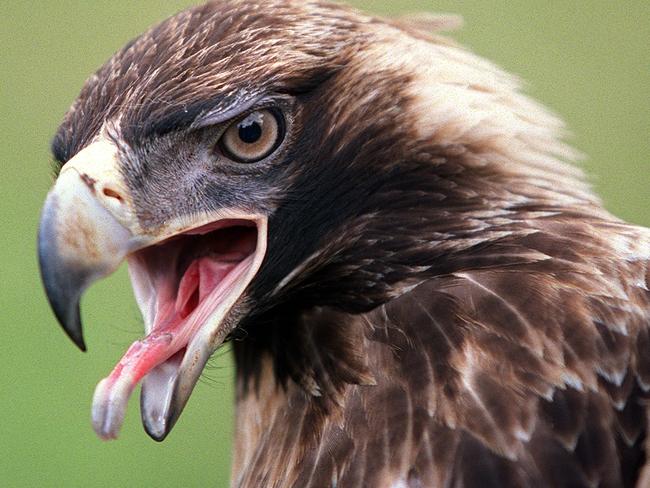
x,y
423,289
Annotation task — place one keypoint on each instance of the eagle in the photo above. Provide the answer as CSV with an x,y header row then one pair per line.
x,y
418,283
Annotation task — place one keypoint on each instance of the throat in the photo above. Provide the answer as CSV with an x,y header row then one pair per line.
x,y
320,351
199,280
295,377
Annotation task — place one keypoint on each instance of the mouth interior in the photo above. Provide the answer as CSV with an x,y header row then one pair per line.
x,y
186,270
180,285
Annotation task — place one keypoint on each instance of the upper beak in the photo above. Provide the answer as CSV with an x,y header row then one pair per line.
x,y
88,227
85,232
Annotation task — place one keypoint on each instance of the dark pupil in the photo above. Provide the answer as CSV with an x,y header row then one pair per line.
x,y
250,133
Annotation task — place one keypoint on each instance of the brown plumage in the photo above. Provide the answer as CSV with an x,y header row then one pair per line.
x,y
443,301
531,374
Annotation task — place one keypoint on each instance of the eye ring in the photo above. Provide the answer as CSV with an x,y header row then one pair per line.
x,y
254,136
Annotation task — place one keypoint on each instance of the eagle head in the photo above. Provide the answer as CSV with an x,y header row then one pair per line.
x,y
255,161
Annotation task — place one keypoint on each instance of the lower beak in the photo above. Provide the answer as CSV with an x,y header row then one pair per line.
x,y
88,227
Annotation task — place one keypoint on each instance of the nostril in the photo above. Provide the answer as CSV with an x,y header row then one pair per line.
x,y
110,193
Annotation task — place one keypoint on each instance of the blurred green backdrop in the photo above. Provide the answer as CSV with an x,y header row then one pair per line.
x,y
589,60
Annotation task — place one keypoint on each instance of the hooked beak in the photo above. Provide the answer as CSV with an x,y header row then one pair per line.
x,y
187,275
79,238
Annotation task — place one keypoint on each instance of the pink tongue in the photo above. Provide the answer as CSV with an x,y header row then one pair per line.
x,y
171,332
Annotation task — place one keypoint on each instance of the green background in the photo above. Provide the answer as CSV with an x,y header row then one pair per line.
x,y
588,60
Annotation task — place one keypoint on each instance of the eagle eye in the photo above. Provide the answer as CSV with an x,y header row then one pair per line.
x,y
254,136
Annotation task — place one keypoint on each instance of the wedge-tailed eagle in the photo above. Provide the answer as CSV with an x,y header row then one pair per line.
x,y
424,290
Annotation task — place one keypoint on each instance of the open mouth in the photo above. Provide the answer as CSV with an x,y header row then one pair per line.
x,y
185,287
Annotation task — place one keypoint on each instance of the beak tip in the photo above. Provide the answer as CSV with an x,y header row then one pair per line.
x,y
79,342
63,283
70,320
76,336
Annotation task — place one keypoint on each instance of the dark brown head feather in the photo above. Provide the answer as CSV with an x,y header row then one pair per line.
x,y
206,60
